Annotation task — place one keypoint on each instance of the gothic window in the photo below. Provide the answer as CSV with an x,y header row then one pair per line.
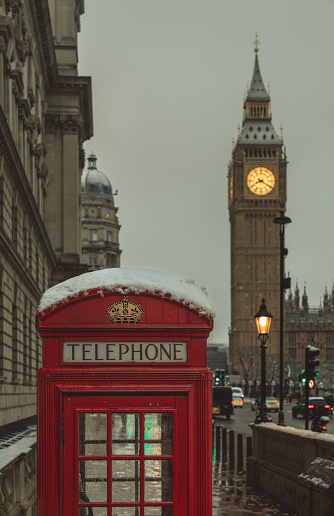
x,y
329,354
109,236
310,337
329,338
255,136
292,337
264,136
251,128
274,153
272,136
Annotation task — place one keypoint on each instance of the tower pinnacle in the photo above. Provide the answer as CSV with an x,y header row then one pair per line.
x,y
256,43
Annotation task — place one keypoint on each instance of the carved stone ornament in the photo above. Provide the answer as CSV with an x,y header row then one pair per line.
x,y
71,124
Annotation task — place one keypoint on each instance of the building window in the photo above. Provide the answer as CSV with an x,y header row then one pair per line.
x,y
109,236
292,337
310,337
92,258
329,338
93,235
292,354
329,354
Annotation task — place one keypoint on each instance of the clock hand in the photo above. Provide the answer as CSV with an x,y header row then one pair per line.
x,y
262,181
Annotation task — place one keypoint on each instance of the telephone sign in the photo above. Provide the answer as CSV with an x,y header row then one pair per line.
x,y
124,352
125,396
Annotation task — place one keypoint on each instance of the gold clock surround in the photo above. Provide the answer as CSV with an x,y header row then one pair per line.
x,y
261,181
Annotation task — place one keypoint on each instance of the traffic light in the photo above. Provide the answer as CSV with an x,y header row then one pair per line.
x,y
311,363
302,378
220,376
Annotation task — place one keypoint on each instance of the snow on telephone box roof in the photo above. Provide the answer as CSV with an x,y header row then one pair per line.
x,y
126,280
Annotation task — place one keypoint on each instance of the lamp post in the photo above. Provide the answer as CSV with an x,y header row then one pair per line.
x,y
263,321
282,220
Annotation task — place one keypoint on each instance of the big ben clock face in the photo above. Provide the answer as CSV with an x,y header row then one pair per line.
x,y
261,181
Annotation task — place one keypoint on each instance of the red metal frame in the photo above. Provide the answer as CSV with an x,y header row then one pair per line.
x,y
89,385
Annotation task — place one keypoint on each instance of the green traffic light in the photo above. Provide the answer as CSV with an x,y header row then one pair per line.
x,y
217,379
303,380
317,373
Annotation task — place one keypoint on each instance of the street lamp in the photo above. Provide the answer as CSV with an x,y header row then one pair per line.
x,y
263,321
282,220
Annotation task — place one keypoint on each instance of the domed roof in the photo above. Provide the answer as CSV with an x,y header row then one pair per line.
x,y
94,182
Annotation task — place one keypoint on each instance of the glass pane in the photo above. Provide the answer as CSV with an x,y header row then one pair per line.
x,y
125,481
93,511
125,434
158,434
92,481
158,481
125,511
92,433
158,511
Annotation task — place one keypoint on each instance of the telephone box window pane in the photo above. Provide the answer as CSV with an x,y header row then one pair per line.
x,y
92,481
158,434
125,434
125,481
158,511
125,511
93,511
158,481
92,434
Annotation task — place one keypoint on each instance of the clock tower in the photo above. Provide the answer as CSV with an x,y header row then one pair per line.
x,y
256,195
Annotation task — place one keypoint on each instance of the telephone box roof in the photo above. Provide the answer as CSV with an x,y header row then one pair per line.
x,y
126,280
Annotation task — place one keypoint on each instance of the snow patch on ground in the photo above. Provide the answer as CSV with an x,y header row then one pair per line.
x,y
126,280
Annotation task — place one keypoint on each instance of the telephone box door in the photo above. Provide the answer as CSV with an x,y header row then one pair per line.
x,y
125,456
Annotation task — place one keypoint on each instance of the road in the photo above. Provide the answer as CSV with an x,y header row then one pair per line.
x,y
243,416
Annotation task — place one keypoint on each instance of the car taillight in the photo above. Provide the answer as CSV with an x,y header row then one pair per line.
x,y
277,403
232,402
324,427
326,406
311,406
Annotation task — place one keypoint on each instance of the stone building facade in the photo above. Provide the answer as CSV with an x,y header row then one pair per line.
x,y
100,227
306,325
45,116
257,193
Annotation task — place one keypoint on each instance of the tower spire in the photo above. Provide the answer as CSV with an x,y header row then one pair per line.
x,y
256,44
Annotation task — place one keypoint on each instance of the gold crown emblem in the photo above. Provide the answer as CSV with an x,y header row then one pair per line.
x,y
125,312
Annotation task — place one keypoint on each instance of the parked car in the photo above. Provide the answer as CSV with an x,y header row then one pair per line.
x,y
317,406
238,391
271,404
238,397
222,403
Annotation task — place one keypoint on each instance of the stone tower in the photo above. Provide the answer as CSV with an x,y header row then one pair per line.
x,y
100,227
256,194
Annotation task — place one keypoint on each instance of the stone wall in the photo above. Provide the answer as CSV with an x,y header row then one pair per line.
x,y
280,457
18,482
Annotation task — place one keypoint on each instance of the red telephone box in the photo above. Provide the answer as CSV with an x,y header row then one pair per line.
x,y
124,396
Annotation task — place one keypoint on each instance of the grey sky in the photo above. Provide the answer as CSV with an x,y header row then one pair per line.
x,y
169,78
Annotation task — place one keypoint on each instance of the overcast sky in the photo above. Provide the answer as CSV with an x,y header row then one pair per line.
x,y
169,78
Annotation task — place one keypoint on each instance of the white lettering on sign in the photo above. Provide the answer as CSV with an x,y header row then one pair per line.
x,y
139,352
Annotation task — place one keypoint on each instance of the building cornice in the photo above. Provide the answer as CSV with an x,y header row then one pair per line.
x,y
45,33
